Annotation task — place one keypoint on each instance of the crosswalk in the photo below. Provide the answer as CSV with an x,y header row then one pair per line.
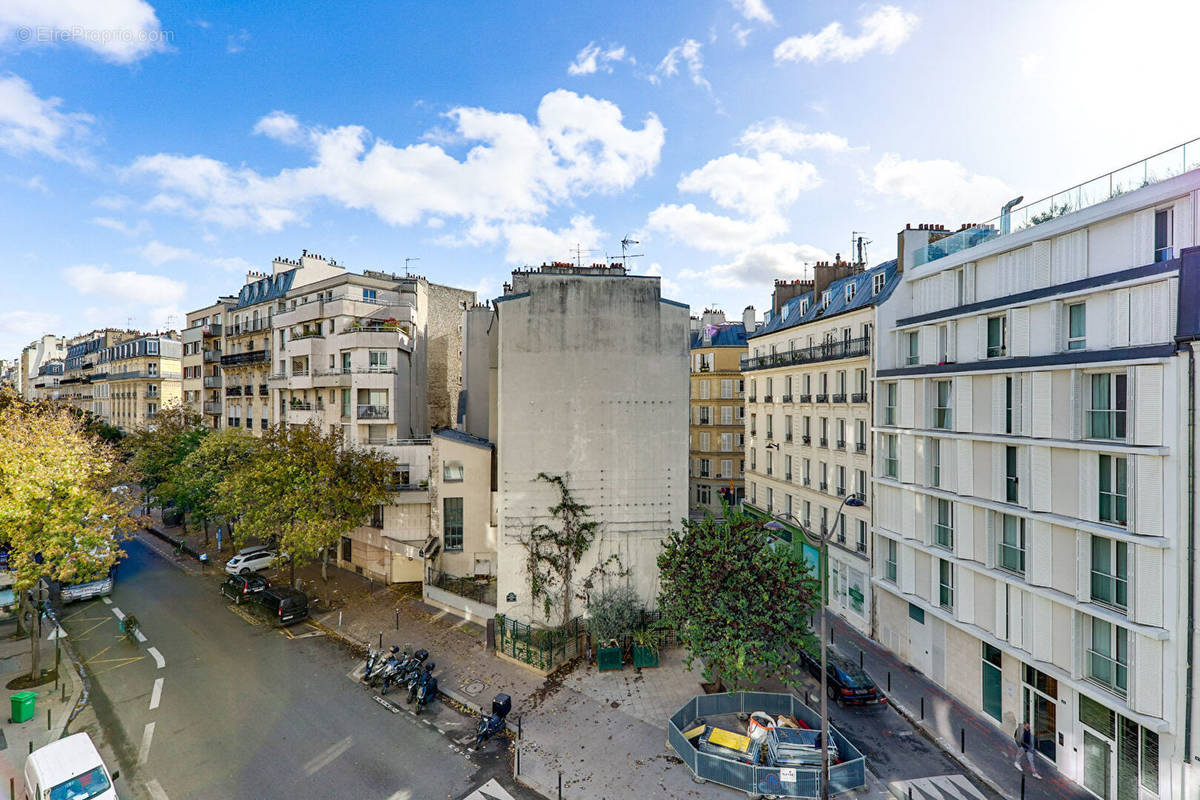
x,y
938,787
489,791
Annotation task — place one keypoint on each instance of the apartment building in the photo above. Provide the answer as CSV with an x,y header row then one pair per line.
x,y
33,356
133,379
1033,516
717,408
44,385
588,379
808,379
202,342
82,364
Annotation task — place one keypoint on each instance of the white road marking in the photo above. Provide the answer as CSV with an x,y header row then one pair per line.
x,y
141,637
491,790
156,790
120,614
156,695
324,759
107,601
158,658
147,737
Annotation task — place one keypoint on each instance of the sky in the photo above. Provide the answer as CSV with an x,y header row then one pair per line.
x,y
153,152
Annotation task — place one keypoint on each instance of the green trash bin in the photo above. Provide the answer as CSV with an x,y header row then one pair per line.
x,y
22,706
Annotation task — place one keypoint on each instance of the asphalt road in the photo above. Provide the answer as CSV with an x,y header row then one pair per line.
x,y
218,704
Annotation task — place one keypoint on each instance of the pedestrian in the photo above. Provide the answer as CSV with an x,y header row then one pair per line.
x,y
1024,738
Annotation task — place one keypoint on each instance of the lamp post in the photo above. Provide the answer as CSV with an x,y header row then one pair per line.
x,y
822,542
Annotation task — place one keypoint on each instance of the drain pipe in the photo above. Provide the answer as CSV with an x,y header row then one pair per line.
x,y
1191,552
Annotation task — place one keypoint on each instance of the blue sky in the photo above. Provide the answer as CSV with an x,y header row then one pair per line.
x,y
152,152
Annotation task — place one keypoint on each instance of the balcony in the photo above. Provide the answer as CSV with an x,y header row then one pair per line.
x,y
840,397
277,377
300,406
841,444
213,407
823,398
861,547
806,439
860,447
373,412
233,391
768,399
787,477
787,398
824,442
806,481
212,356
753,431
241,359
249,327
806,398
210,330
827,351
824,486
212,381
705,421
307,335
787,437
263,391
705,368
841,491
752,399
858,397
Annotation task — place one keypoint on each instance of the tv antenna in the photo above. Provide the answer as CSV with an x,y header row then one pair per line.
x,y
858,246
406,264
627,243
579,251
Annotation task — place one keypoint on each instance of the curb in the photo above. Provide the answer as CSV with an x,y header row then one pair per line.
x,y
80,684
958,758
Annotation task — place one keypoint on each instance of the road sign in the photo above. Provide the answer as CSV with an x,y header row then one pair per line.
x,y
787,774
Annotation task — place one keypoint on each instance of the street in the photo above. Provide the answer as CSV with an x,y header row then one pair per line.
x,y
215,703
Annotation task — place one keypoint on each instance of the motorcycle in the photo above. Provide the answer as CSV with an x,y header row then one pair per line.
x,y
376,672
404,669
491,725
427,689
374,658
414,683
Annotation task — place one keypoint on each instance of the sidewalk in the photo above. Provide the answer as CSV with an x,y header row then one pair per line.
x,y
990,751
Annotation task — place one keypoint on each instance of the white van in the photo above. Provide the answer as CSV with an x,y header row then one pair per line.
x,y
68,769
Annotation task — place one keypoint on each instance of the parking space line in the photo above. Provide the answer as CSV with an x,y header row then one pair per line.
x,y
158,657
328,756
156,790
147,738
156,694
107,601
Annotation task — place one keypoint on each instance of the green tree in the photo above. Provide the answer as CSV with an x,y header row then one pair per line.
x,y
552,556
737,603
193,485
303,490
58,513
158,449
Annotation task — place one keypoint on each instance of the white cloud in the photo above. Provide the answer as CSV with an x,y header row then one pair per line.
x,y
534,244
760,265
594,58
687,51
121,31
946,187
112,202
755,11
884,30
779,136
741,35
715,233
130,287
280,126
236,42
515,170
31,124
670,288
232,264
158,253
24,326
140,229
1030,63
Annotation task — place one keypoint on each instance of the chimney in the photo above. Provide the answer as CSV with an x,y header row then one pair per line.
x,y
694,324
712,316
911,239
825,273
786,290
748,319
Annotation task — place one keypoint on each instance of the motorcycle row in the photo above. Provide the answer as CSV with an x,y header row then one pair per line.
x,y
394,668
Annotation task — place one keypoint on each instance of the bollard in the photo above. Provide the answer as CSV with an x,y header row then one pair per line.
x,y
560,785
1022,786
381,640
860,659
909,793
31,747
339,620
922,708
962,740
64,692
889,681
518,729
518,760
12,789
397,619
48,725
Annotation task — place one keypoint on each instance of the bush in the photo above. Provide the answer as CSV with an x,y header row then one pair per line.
x,y
615,612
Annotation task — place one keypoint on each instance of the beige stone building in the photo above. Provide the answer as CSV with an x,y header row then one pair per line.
x,y
202,344
717,438
134,379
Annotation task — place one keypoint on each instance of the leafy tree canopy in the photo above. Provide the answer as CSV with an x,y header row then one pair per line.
x,y
192,486
160,447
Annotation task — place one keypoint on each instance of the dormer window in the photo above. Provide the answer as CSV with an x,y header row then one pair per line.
x,y
826,297
850,289
804,306
877,283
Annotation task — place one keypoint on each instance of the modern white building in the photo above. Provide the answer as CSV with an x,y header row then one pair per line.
x,y
46,348
1034,519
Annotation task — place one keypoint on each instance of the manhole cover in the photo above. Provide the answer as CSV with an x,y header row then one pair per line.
x,y
473,688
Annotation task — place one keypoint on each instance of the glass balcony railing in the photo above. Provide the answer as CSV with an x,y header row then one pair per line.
x,y
1146,172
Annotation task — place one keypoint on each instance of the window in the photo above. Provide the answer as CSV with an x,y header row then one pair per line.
x,y
889,404
1110,572
726,468
368,294
705,441
377,516
943,523
378,358
770,499
726,442
1010,544
1108,656
806,471
850,288
1107,406
1008,404
943,416
726,415
826,297
704,494
704,390
860,484
705,419
841,481
860,441
1076,326
891,464
807,513
706,466
914,354
1010,474
997,335
943,334
787,427
753,458
787,467
841,436
877,283
1114,491
1163,223
860,544
959,295
726,389
452,523
945,584
935,462
770,463
345,363
452,471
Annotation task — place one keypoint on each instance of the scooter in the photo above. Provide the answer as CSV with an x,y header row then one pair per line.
x,y
491,725
374,657
383,666
403,671
415,681
427,689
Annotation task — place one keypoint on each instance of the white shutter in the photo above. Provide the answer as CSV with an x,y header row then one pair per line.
x,y
1041,264
1089,485
999,401
1083,566
1042,645
1141,310
1023,419
1120,316
1183,223
1146,672
1058,339
1042,410
1077,404
963,404
929,344
908,568
969,282
952,341
964,594
1143,237
1038,553
1148,495
908,459
1039,478
997,492
1161,311
1018,329
964,532
966,347
1016,618
1148,586
965,467
1147,405
906,413
981,337
1069,261
1001,609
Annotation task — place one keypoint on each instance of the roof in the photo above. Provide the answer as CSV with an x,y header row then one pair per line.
x,y
731,334
65,758
795,313
462,437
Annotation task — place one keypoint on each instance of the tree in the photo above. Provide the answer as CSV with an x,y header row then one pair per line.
x,y
58,513
193,485
158,449
552,557
303,490
737,603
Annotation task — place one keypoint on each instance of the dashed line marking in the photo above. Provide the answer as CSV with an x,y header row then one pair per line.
x,y
147,738
120,614
158,657
156,694
107,601
327,756
156,790
141,637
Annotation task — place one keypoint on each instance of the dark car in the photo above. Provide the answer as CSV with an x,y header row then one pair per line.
x,y
288,606
848,683
243,587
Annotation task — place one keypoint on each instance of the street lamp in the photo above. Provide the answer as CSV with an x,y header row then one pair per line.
x,y
822,542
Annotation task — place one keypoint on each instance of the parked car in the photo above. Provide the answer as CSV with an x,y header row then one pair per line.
x,y
243,587
287,605
69,768
250,562
848,683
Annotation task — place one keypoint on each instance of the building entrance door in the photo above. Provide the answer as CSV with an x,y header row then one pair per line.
x,y
1040,708
1097,765
919,640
